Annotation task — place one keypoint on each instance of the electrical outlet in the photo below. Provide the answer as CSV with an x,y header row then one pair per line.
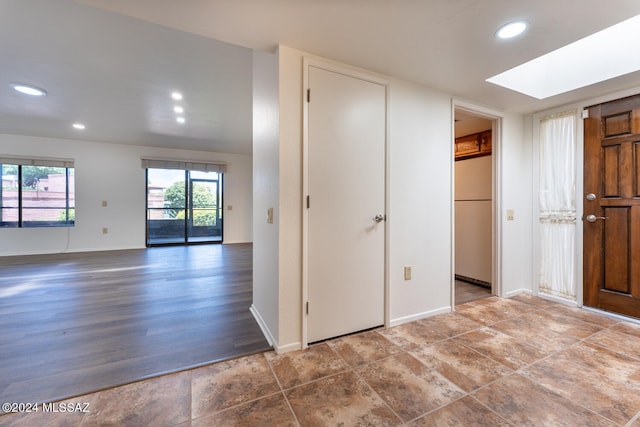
x,y
229,207
104,203
510,215
270,215
105,230
407,272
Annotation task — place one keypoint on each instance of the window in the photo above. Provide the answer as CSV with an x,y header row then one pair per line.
x,y
183,206
37,193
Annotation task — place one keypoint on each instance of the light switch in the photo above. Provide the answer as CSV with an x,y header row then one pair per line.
x,y
270,215
229,207
510,215
104,203
407,272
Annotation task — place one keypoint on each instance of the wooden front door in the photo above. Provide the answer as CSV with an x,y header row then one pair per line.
x,y
611,213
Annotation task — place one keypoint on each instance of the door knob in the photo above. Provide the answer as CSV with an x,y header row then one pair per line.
x,y
379,218
593,218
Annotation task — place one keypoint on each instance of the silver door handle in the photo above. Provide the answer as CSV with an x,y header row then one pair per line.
x,y
379,218
593,218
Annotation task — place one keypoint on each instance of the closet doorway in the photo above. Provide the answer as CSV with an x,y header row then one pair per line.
x,y
473,205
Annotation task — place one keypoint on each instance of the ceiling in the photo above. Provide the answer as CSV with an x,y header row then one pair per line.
x,y
467,123
115,71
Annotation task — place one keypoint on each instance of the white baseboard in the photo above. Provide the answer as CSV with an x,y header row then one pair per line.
x,y
418,316
263,326
518,292
565,301
294,346
612,315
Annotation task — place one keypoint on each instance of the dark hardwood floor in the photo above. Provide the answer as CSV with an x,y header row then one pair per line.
x,y
77,323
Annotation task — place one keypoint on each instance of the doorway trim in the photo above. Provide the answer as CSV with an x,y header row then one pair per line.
x,y
307,63
496,118
579,106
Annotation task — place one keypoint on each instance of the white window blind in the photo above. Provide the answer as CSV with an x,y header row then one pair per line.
x,y
219,167
56,163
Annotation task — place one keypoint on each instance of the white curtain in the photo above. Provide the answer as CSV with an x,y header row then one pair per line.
x,y
557,205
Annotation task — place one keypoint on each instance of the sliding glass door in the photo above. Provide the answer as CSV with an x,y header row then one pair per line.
x,y
183,207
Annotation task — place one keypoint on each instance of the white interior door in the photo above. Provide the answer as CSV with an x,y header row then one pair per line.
x,y
346,188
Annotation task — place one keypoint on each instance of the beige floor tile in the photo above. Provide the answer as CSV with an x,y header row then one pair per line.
x,y
272,411
364,348
492,310
299,367
450,324
502,348
341,399
562,323
524,403
408,386
161,401
606,382
586,316
534,301
631,329
46,415
225,384
523,328
412,335
623,338
467,412
462,366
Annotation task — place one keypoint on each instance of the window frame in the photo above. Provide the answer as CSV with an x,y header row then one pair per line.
x,y
69,170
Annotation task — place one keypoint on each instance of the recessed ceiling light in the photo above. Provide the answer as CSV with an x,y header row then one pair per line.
x,y
180,120
79,126
512,29
177,96
28,89
178,109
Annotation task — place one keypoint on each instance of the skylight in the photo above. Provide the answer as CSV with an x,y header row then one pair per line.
x,y
601,56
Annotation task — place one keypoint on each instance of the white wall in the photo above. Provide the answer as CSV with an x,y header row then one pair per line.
x,y
473,209
113,172
419,207
290,202
419,217
517,181
265,194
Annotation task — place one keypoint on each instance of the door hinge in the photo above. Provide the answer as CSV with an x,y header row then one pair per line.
x,y
308,202
307,307
308,95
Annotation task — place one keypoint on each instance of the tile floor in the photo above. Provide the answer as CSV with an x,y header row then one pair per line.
x,y
523,361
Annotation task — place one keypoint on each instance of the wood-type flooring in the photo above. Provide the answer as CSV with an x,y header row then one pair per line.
x,y
77,323
522,361
467,292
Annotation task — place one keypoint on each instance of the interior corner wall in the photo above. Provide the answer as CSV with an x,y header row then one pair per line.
x,y
113,172
290,201
517,187
265,193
